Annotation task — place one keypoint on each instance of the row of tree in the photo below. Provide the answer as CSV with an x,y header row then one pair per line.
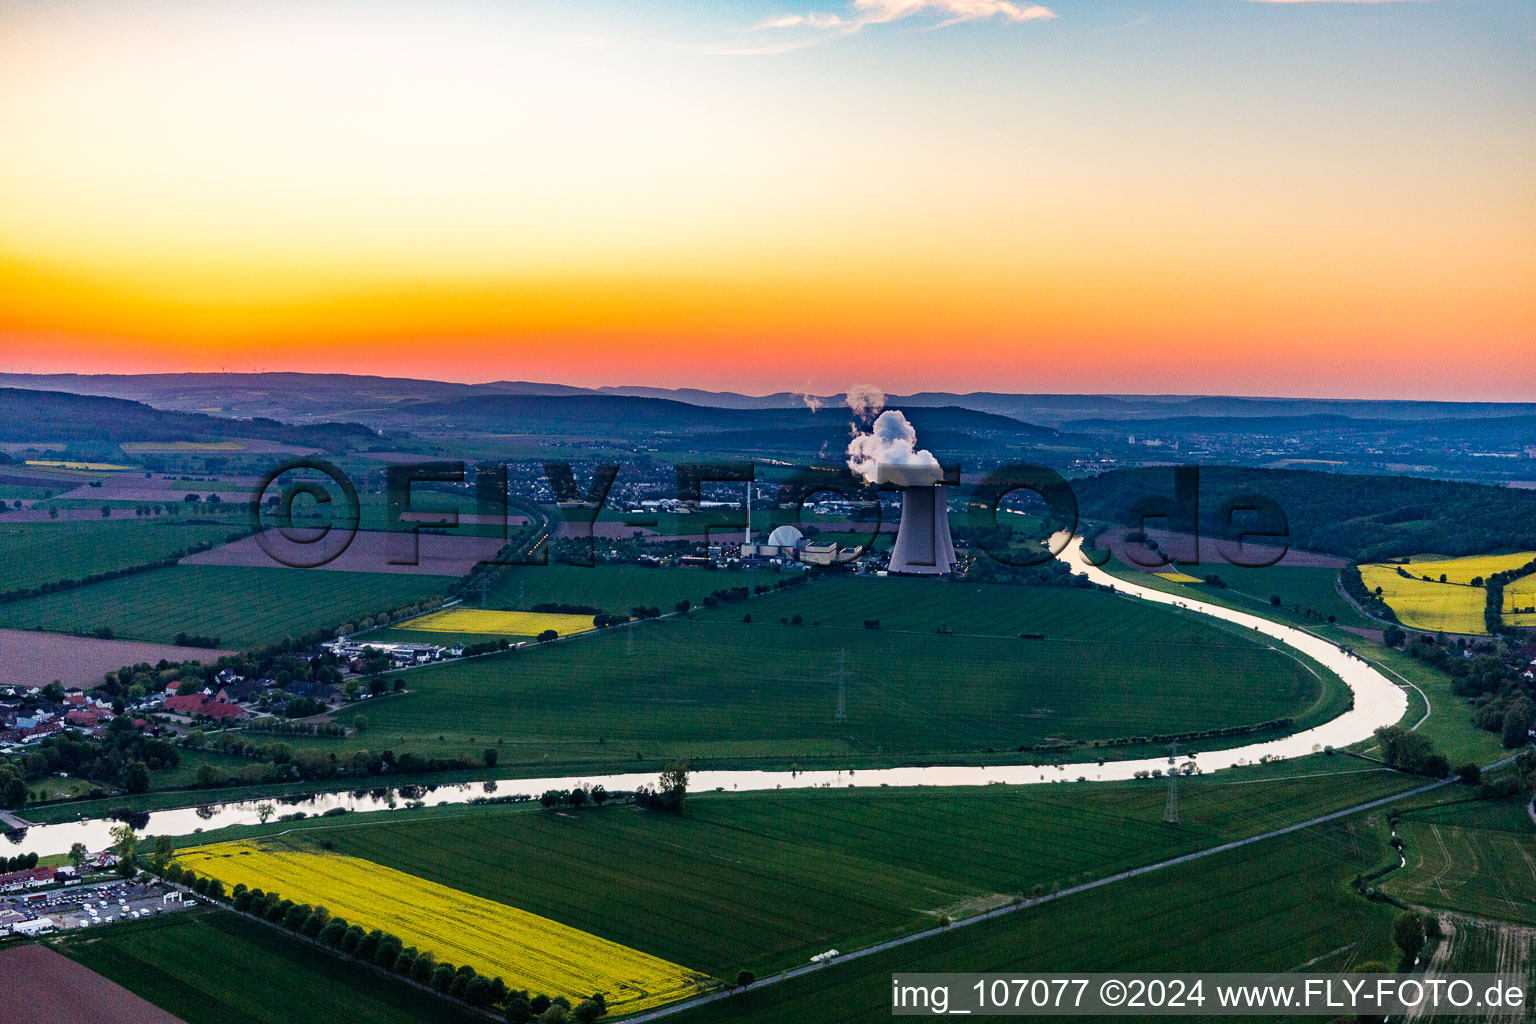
x,y
20,862
389,952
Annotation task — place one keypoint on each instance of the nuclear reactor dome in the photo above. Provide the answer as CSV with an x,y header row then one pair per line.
x,y
785,537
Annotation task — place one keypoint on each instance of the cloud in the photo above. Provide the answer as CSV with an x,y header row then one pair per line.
x,y
812,20
888,454
879,12
816,27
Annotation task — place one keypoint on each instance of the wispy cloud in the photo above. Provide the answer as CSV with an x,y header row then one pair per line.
x,y
813,20
877,12
788,32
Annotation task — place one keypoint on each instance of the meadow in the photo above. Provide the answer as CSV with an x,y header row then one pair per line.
x,y
35,554
713,686
1277,905
212,967
241,607
1478,857
1422,604
1308,594
525,950
1449,724
975,609
764,880
611,588
1307,588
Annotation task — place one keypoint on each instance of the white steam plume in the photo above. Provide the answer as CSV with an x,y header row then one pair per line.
x,y
812,402
888,454
865,400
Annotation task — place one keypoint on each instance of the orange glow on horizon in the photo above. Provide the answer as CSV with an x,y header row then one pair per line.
x,y
472,195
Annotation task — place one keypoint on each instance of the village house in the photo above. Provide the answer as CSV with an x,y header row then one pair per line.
x,y
86,718
16,881
195,704
240,691
322,692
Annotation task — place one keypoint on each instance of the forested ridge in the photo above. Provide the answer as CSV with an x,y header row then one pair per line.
x,y
1367,518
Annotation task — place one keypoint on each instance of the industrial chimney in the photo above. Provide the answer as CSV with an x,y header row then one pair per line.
x,y
923,546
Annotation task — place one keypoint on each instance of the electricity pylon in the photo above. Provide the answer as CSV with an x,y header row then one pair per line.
x,y
842,686
1171,811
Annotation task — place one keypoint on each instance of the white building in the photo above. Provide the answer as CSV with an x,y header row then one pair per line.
x,y
42,926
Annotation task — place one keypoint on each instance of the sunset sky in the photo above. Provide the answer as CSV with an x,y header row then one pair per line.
x,y
1224,196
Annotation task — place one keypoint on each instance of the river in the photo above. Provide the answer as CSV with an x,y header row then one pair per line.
x,y
1378,702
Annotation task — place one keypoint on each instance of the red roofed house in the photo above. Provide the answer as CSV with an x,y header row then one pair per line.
x,y
82,717
29,879
199,704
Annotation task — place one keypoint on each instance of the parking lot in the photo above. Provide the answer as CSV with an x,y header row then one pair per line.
x,y
82,906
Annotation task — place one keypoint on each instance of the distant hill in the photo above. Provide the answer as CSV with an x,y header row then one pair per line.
x,y
378,401
629,416
59,416
1497,431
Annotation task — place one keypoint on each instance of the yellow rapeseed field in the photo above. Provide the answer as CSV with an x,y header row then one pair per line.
x,y
1520,602
1464,570
526,950
104,467
1447,607
497,623
1177,577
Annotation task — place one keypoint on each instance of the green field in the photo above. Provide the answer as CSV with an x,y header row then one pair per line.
x,y
211,967
241,606
1478,857
1309,588
712,686
1301,589
1277,905
976,609
34,554
611,588
1476,945
764,880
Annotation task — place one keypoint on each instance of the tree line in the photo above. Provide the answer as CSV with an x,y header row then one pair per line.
x,y
390,953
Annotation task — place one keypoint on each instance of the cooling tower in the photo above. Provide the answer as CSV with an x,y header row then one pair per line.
x,y
923,546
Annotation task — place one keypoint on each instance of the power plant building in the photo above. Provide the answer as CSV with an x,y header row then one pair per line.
x,y
923,545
